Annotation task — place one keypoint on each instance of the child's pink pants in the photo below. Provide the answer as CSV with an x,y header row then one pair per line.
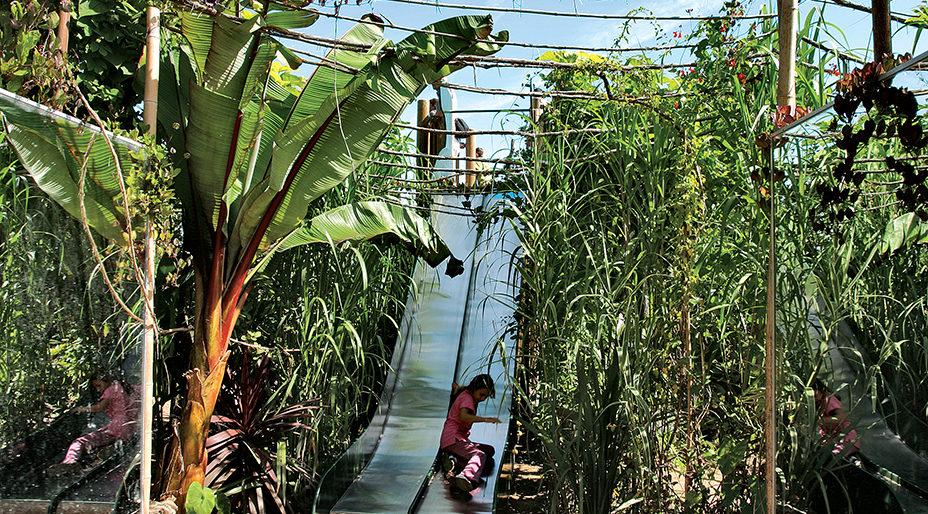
x,y
476,455
96,439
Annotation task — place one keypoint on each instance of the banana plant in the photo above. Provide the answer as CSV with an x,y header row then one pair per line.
x,y
252,158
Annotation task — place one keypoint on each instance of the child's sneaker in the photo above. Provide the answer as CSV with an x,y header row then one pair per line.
x,y
447,462
462,483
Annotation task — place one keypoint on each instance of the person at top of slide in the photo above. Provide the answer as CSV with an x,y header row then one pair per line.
x,y
455,436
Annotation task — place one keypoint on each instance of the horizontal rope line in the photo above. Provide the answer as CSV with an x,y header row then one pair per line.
x,y
584,15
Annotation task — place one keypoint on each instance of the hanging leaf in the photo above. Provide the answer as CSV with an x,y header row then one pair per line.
x,y
905,230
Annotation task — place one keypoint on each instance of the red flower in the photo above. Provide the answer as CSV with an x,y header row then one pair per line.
x,y
676,105
741,77
731,62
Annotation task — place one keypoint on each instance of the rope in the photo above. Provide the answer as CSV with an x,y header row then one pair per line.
x,y
503,132
857,7
584,15
441,158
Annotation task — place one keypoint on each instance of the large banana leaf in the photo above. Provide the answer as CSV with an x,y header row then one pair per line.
x,y
53,147
363,221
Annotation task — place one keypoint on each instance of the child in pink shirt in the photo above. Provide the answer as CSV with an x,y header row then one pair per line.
x,y
456,432
834,421
119,408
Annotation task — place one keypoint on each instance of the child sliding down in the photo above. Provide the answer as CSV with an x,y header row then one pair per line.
x,y
456,432
121,409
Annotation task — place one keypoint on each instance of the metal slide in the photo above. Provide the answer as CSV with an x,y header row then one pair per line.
x,y
449,332
904,471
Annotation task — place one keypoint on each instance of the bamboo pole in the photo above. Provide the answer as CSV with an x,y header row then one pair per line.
x,y
148,359
882,32
471,146
150,116
152,68
64,17
422,137
770,428
788,12
788,15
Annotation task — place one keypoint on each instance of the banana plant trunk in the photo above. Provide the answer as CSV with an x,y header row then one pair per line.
x,y
216,315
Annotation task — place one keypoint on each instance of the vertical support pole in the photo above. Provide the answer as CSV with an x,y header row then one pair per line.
x,y
882,31
422,137
471,146
64,17
150,116
148,359
536,108
770,358
152,68
535,113
448,104
788,16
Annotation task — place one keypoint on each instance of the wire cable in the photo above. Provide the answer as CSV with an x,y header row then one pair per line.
x,y
584,15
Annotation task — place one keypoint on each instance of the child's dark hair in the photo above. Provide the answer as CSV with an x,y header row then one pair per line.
x,y
110,375
483,381
819,386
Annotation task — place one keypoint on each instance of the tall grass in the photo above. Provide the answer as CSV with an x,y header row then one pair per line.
x,y
662,223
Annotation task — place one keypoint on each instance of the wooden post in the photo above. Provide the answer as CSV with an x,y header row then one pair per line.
x,y
150,116
788,16
536,108
64,16
471,177
148,359
152,68
882,31
770,357
535,113
422,137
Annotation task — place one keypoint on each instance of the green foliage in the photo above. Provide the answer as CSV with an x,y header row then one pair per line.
x,y
105,43
202,500
107,39
28,46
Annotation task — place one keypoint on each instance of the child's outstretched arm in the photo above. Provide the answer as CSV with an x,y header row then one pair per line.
x,y
467,416
100,406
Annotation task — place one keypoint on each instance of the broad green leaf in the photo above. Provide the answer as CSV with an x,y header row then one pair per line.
x,y
200,499
230,57
198,30
362,221
297,19
904,230
53,146
209,136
